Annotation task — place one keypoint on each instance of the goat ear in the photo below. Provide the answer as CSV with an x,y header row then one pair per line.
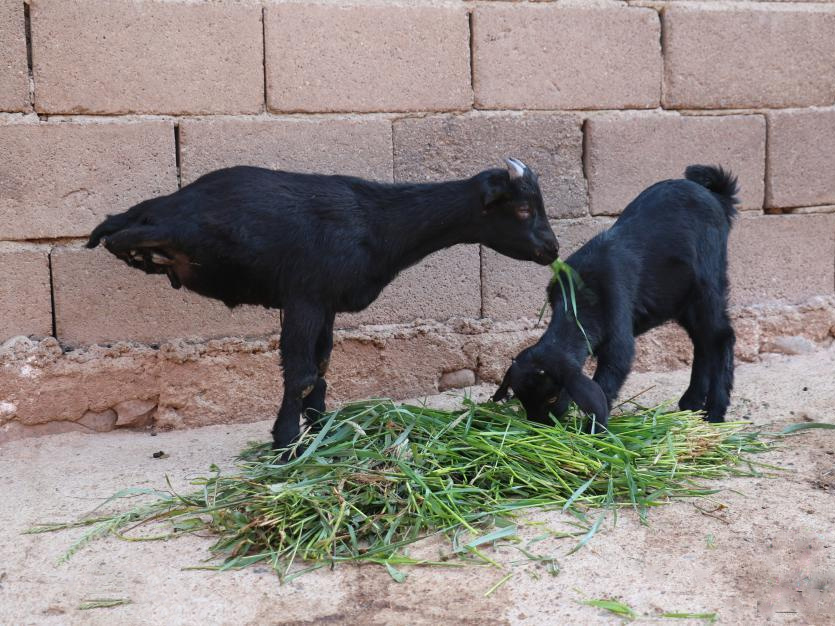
x,y
589,398
501,392
515,168
494,188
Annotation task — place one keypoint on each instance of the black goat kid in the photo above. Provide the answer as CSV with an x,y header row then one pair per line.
x,y
665,258
316,245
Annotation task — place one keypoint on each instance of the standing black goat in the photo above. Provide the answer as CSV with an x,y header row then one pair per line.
x,y
665,258
316,245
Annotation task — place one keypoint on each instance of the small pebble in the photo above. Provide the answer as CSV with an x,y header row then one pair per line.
x,y
160,455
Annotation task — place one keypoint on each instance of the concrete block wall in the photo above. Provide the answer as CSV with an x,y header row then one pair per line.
x,y
105,104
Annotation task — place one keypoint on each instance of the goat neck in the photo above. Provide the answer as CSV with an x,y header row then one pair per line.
x,y
426,218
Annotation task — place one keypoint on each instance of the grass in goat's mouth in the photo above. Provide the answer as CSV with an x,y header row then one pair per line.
x,y
568,280
379,476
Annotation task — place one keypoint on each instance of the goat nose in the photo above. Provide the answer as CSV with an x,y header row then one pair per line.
x,y
550,251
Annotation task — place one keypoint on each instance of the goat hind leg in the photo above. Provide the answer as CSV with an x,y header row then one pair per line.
x,y
694,398
722,372
713,338
314,404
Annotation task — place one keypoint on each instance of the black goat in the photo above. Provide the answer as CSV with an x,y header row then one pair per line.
x,y
665,258
316,245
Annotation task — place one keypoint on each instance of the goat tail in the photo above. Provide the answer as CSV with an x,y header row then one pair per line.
x,y
718,180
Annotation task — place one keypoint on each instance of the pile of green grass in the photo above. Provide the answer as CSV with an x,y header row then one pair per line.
x,y
379,476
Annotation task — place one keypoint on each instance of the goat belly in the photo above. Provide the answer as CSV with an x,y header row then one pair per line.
x,y
353,301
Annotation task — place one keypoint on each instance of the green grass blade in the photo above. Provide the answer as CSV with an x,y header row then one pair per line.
x,y
788,430
613,606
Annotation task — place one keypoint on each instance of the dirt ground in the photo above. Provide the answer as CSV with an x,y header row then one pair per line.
x,y
768,556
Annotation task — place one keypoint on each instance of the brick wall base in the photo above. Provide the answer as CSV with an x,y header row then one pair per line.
x,y
47,388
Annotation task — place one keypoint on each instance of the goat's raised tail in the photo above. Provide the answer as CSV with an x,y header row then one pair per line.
x,y
719,181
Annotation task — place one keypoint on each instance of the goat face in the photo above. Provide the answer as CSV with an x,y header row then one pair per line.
x,y
546,388
513,220
539,393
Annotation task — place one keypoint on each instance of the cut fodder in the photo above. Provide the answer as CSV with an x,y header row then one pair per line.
x,y
380,476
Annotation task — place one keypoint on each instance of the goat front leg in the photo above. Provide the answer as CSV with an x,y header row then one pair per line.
x,y
302,324
314,404
614,361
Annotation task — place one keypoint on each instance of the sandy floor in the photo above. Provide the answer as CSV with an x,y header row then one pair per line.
x,y
768,556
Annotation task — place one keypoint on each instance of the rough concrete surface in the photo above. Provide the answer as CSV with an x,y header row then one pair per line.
x,y
557,56
801,161
131,306
14,82
781,257
350,147
60,179
741,55
24,291
440,147
147,57
367,57
761,551
628,152
441,286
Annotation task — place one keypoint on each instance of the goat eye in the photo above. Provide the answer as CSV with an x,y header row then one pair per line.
x,y
523,212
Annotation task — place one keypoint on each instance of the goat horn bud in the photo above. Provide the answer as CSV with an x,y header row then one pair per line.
x,y
515,168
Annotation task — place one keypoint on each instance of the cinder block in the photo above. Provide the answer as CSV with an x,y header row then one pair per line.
x,y
517,290
14,77
446,147
99,299
356,147
782,257
801,158
442,286
326,57
140,56
551,56
396,364
625,153
24,291
662,349
60,179
745,55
